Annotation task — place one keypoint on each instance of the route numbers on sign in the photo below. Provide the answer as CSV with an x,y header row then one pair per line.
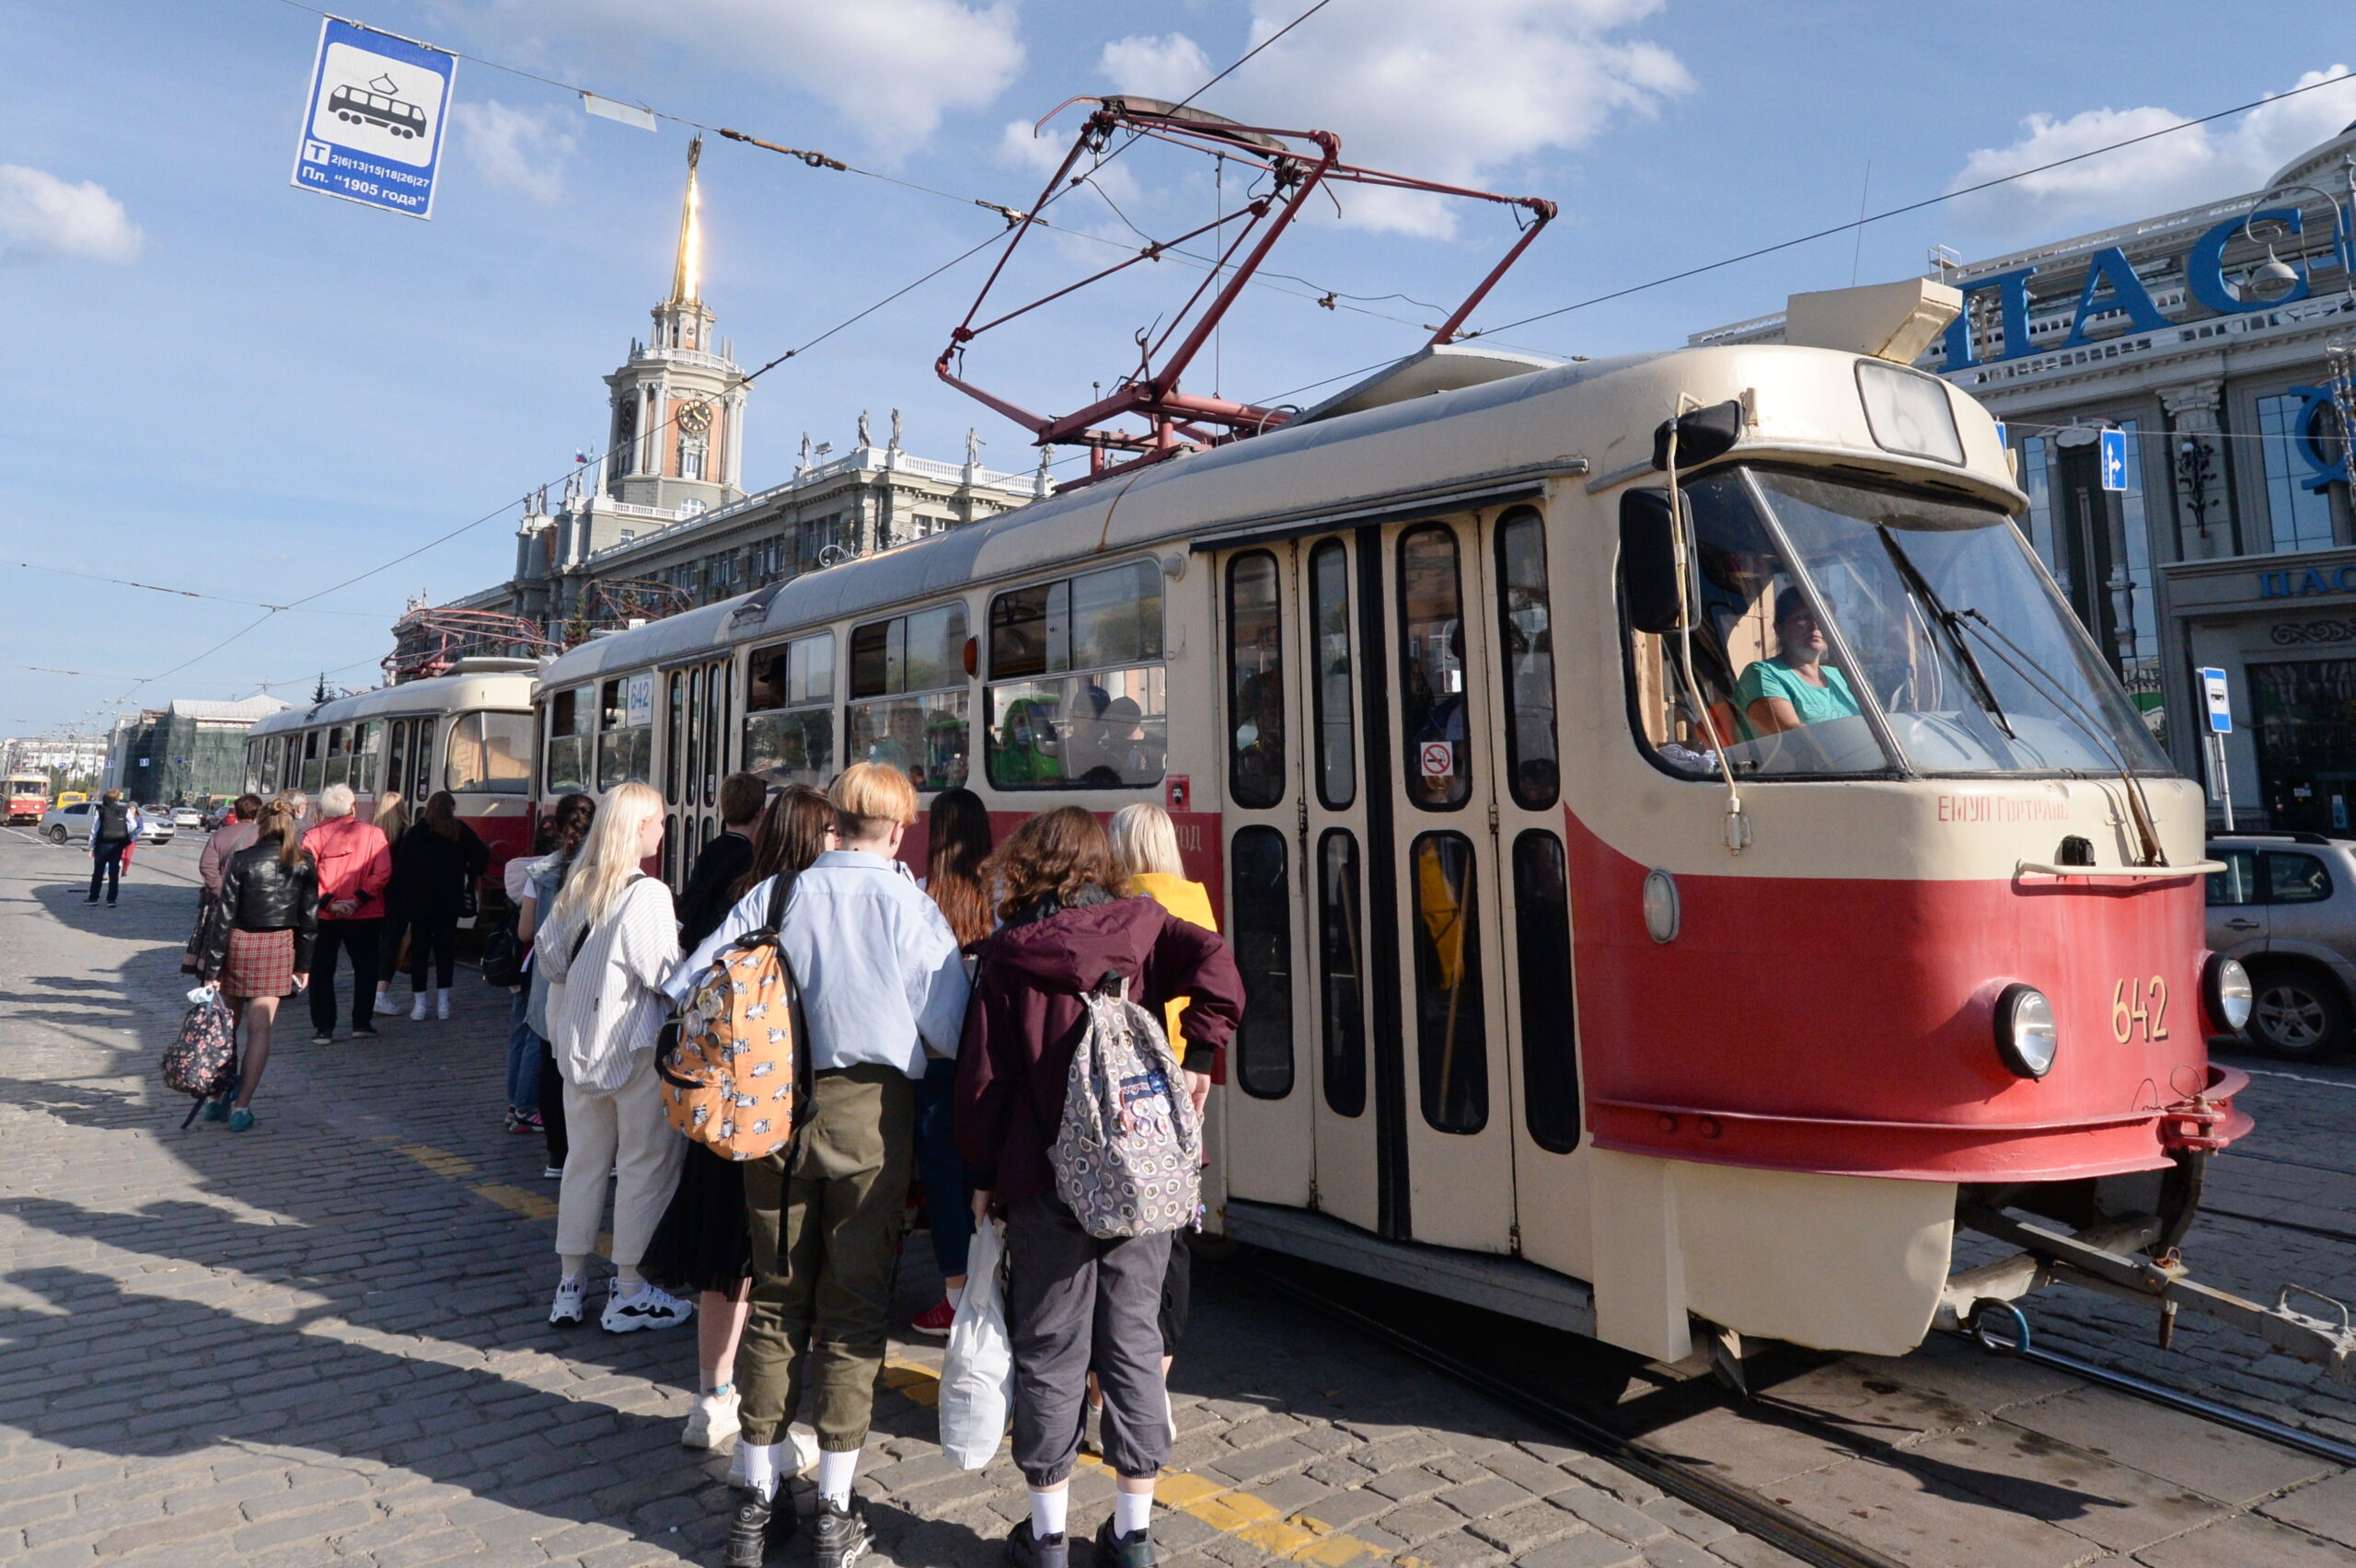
x,y
371,128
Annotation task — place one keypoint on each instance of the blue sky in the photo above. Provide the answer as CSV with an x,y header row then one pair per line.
x,y
228,385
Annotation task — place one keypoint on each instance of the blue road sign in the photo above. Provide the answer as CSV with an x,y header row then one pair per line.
x,y
2114,459
2220,702
372,130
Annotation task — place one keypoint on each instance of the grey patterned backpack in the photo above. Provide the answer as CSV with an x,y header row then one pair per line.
x,y
1128,1153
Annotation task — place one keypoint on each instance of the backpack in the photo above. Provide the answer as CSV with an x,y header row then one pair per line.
x,y
735,1075
1128,1156
202,1059
114,822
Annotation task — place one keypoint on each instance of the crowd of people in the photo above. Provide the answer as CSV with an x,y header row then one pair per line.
x,y
940,1016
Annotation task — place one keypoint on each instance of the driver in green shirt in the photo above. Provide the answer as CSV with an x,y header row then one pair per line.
x,y
1795,686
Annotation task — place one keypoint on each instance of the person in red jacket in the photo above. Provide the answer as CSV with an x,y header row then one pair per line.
x,y
354,865
1074,1301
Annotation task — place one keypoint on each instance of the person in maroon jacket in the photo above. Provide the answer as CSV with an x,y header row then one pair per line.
x,y
1073,1301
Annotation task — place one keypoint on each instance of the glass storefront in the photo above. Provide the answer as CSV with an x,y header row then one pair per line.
x,y
2305,726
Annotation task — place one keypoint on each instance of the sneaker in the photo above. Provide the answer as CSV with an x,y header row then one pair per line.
x,y
532,1120
1024,1549
552,1174
711,1421
323,1037
441,1008
514,1122
417,1011
240,1120
364,1032
648,1306
934,1320
571,1308
841,1535
216,1111
760,1522
1132,1550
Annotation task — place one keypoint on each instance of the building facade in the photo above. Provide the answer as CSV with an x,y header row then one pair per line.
x,y
185,753
662,523
69,757
2218,340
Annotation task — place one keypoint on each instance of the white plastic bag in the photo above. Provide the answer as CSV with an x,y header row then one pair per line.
x,y
978,1372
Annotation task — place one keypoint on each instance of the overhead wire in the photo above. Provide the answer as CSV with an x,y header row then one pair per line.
x,y
183,592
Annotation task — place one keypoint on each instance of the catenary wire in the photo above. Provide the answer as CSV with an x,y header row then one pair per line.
x,y
184,592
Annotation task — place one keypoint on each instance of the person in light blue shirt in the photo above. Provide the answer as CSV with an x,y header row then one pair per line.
x,y
1796,687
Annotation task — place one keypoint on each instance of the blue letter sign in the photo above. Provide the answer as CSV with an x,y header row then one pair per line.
x,y
372,130
2109,266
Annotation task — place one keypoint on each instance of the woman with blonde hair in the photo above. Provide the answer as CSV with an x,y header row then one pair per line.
x,y
257,945
610,941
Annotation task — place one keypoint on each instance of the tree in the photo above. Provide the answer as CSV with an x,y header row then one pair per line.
x,y
323,692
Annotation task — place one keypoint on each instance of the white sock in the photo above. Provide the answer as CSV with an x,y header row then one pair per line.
x,y
957,1296
835,1474
760,1469
1132,1512
632,1281
573,1267
1048,1512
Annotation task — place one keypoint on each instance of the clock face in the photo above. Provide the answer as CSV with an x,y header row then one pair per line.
x,y
696,418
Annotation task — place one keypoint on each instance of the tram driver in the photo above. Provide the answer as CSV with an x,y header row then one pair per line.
x,y
1795,686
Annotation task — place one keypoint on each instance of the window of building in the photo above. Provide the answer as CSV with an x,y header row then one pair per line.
x,y
2303,720
2297,509
691,455
568,758
1256,682
790,718
909,699
490,753
2037,479
1075,698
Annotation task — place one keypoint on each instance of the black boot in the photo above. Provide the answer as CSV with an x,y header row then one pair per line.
x,y
1024,1549
1132,1550
759,1523
841,1535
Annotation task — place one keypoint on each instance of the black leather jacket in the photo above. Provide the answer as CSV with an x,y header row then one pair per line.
x,y
259,893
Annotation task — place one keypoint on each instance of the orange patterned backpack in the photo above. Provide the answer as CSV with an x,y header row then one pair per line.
x,y
736,1078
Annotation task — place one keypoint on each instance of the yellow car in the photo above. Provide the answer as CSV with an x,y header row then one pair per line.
x,y
72,798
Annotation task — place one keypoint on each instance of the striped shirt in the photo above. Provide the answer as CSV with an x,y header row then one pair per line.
x,y
614,1004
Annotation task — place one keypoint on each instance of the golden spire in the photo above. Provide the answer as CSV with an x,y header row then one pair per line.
x,y
686,274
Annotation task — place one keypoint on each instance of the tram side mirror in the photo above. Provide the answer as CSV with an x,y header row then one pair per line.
x,y
1701,435
1648,562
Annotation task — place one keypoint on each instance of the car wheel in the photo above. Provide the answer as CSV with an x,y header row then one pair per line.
x,y
2297,1014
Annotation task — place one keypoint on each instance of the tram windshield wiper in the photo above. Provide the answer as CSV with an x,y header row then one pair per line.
x,y
1947,621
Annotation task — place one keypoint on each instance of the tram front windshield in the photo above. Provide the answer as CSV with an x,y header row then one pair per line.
x,y
1837,617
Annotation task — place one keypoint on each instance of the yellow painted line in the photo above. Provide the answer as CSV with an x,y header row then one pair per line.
x,y
531,1206
440,1161
1227,1509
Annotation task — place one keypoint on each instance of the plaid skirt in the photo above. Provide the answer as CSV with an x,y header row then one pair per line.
x,y
261,964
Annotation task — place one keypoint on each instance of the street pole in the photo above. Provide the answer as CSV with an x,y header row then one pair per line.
x,y
2224,781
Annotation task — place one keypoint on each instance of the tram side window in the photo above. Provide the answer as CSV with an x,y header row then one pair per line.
x,y
1758,659
567,769
314,762
1329,632
272,755
397,760
258,763
1438,753
790,721
489,753
367,755
1260,915
625,730
1342,994
1549,1040
1076,697
909,707
1256,682
1451,1031
339,769
1526,646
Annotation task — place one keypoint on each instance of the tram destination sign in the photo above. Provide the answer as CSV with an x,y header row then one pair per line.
x,y
372,127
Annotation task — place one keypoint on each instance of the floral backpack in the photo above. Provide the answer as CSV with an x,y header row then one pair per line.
x,y
202,1059
1128,1156
735,1078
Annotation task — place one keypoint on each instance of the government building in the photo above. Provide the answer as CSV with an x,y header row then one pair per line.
x,y
2218,340
661,522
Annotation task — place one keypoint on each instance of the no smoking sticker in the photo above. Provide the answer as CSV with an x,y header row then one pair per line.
x,y
1435,759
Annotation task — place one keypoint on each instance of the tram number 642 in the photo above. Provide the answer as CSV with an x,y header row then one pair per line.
x,y
2139,1007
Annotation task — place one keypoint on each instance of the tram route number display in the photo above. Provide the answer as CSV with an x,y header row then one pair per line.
x,y
2139,1009
1435,759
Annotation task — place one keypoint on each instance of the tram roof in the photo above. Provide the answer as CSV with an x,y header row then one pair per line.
x,y
508,689
1418,445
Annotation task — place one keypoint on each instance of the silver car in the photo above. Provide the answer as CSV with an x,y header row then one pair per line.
x,y
2285,906
71,824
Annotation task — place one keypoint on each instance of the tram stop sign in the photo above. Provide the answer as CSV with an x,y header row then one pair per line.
x,y
372,129
2114,459
2221,704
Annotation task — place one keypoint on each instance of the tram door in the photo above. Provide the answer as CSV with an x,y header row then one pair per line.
x,y
696,706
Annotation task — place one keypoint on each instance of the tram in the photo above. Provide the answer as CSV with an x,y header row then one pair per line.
x,y
1596,975
469,732
27,795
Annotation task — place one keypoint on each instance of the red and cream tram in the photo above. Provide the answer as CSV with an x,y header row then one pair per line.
x,y
469,732
1585,981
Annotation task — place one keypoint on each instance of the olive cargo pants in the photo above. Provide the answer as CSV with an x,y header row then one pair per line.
x,y
826,1249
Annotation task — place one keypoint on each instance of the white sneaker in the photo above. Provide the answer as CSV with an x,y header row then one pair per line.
x,y
648,1306
442,1005
417,1011
713,1420
571,1308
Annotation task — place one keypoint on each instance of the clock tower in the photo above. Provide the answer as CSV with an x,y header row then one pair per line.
x,y
676,441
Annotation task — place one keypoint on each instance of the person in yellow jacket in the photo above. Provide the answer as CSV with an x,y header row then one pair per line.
x,y
1145,843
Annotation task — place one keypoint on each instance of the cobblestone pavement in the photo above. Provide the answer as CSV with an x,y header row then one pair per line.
x,y
323,1341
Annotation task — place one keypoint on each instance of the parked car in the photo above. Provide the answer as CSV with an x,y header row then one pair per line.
x,y
2285,906
71,824
156,824
186,816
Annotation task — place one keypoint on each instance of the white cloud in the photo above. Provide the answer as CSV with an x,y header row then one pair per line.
x,y
1455,92
892,67
515,149
2200,163
41,216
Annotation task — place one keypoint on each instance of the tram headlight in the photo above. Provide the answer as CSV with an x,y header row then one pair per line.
x,y
2225,986
2026,1034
